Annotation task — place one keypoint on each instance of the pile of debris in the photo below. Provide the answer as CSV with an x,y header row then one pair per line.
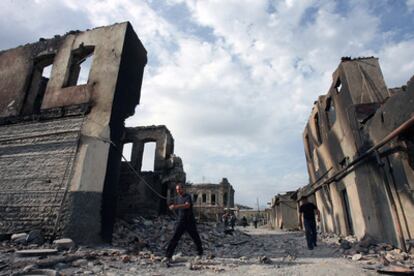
x,y
381,257
153,234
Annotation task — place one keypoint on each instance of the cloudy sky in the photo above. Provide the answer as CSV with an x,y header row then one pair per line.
x,y
234,80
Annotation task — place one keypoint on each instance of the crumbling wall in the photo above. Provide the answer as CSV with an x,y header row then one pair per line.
x,y
146,193
89,114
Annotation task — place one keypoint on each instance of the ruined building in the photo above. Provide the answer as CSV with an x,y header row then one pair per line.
x,y
62,134
360,154
283,212
210,200
137,196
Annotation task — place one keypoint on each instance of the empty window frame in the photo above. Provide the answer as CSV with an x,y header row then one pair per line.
x,y
127,151
204,198
330,112
42,70
213,199
338,86
148,156
195,197
80,65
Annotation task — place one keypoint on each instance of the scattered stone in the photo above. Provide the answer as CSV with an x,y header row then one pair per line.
x,y
40,272
125,258
36,252
357,257
19,238
265,260
345,244
64,244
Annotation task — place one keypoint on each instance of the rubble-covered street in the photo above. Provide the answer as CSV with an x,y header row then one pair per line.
x,y
138,248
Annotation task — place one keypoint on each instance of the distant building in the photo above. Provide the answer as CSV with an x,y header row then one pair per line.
x,y
284,212
210,200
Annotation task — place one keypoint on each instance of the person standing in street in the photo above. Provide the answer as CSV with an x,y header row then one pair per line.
x,y
185,223
307,211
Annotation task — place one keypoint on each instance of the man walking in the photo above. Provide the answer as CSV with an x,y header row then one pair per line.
x,y
185,222
307,211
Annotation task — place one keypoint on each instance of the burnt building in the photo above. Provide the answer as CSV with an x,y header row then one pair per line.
x,y
147,192
359,153
61,133
211,200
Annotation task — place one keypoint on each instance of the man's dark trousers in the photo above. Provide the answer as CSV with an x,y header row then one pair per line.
x,y
180,228
310,231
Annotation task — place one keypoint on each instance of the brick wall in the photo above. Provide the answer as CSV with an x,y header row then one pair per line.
x,y
36,159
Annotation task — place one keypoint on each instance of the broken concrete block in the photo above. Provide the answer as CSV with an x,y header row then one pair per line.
x,y
36,252
357,257
40,272
64,244
19,238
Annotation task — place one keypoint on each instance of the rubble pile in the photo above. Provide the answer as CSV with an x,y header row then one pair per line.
x,y
381,257
153,234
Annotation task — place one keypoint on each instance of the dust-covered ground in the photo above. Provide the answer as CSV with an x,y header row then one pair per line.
x,y
248,251
269,252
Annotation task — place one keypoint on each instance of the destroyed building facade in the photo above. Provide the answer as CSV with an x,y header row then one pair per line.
x,y
148,192
61,135
211,200
359,152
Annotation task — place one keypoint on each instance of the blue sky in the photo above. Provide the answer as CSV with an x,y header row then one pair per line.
x,y
235,80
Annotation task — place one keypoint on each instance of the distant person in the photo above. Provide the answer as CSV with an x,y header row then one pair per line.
x,y
244,221
225,219
255,221
185,222
307,211
232,221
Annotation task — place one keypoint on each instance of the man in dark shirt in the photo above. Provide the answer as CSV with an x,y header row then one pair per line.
x,y
307,211
185,222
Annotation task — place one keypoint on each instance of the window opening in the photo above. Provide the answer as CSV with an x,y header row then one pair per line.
x,y
148,157
47,71
41,74
213,199
318,131
204,198
338,86
330,112
80,65
127,151
195,197
225,199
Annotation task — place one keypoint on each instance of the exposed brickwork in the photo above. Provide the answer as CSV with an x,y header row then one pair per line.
x,y
36,160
